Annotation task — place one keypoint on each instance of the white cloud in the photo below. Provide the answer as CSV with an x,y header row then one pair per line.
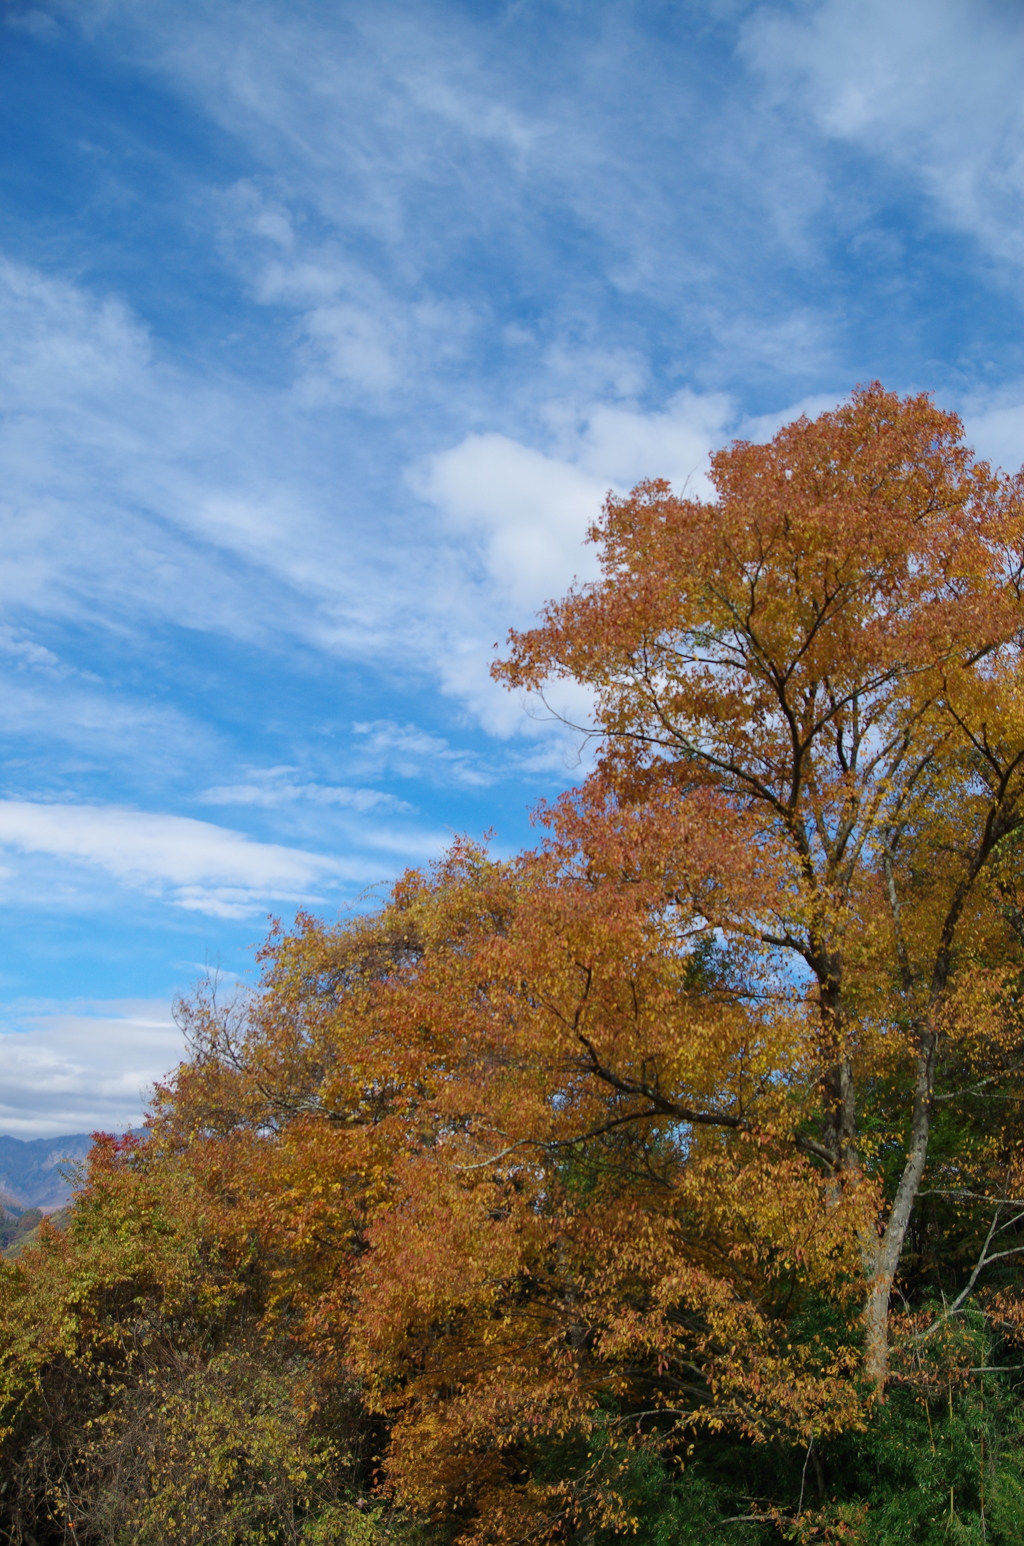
x,y
81,1067
528,511
996,430
134,493
624,445
390,150
199,866
393,153
411,146
524,515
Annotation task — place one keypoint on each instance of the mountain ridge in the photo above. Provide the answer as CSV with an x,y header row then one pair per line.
x,y
31,1170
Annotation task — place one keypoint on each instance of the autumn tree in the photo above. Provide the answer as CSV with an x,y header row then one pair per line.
x,y
457,1212
827,656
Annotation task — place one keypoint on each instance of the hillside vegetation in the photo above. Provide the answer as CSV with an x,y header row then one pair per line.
x,y
665,1181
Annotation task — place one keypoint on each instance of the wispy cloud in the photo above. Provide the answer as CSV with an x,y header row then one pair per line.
x,y
413,753
199,866
27,655
358,339
48,707
406,163
931,87
121,501
272,788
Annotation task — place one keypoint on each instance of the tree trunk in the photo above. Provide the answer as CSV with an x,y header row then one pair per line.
x,y
841,1116
884,1260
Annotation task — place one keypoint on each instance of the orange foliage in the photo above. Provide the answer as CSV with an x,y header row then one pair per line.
x,y
474,1197
832,653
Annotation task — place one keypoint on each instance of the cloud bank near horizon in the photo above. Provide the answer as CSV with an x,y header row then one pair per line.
x,y
83,1068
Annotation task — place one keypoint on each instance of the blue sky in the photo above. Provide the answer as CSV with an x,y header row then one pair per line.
x,y
324,327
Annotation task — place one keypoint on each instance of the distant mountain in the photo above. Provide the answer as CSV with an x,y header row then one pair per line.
x,y
29,1169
